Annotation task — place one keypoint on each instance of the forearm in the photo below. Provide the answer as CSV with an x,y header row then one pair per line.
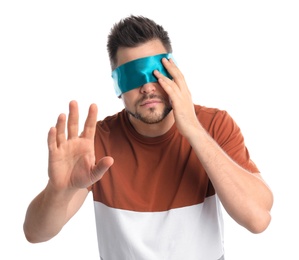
x,y
47,214
244,195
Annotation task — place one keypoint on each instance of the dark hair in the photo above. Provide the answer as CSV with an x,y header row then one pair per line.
x,y
133,31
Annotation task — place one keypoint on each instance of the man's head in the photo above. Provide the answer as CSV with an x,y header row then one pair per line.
x,y
135,38
132,32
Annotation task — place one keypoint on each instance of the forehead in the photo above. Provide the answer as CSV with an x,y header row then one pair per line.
x,y
150,48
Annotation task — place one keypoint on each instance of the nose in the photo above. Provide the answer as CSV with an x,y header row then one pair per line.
x,y
148,88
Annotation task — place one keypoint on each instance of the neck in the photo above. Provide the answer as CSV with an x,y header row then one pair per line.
x,y
152,130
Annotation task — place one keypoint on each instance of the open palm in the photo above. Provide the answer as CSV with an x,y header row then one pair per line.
x,y
71,157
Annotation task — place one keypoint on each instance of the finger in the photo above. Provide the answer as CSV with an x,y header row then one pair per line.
x,y
73,118
166,83
173,70
60,129
159,75
101,168
52,144
90,123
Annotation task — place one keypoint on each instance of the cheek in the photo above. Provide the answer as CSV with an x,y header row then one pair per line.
x,y
129,98
160,90
163,92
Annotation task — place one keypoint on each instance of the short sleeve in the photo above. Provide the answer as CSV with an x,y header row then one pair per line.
x,y
228,135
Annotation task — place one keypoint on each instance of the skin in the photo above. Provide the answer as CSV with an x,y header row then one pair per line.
x,y
244,195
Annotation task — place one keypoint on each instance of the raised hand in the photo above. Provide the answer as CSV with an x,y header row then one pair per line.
x,y
71,157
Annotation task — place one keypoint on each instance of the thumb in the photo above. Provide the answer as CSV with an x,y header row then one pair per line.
x,y
101,168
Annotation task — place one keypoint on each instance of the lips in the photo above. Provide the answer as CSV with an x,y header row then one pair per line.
x,y
150,102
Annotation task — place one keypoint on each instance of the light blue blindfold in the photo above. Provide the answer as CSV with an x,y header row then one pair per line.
x,y
136,73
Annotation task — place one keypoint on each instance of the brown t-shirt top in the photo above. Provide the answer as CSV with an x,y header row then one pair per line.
x,y
161,173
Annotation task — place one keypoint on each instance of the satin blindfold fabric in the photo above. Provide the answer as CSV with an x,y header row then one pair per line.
x,y
136,73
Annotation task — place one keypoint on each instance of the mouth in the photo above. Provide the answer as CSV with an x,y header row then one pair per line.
x,y
150,102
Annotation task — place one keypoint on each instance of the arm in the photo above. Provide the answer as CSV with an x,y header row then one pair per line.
x,y
49,212
71,171
244,195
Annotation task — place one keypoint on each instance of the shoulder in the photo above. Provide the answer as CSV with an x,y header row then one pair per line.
x,y
110,122
208,116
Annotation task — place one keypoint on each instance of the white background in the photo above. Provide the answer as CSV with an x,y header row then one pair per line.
x,y
241,56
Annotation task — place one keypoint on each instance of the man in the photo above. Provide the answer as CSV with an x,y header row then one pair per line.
x,y
158,169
